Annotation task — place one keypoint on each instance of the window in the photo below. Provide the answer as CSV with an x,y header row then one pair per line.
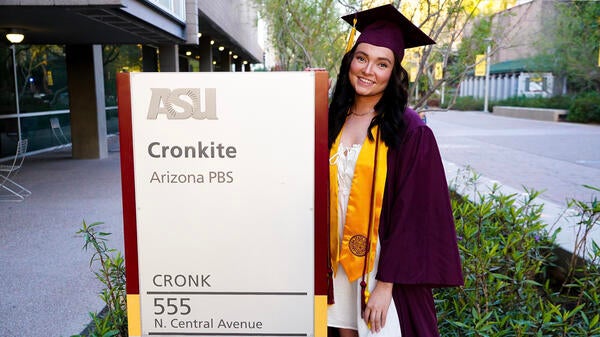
x,y
173,7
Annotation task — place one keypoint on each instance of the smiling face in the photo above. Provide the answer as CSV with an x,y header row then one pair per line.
x,y
371,69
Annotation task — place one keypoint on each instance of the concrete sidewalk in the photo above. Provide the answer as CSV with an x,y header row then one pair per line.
x,y
48,287
556,158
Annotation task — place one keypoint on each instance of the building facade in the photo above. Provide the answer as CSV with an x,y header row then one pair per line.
x,y
66,64
516,33
510,79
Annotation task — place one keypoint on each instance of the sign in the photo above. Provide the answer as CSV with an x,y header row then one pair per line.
x,y
480,65
223,206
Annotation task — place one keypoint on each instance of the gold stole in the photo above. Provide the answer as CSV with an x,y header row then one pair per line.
x,y
354,242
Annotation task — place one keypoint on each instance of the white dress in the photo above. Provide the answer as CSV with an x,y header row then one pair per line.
x,y
345,313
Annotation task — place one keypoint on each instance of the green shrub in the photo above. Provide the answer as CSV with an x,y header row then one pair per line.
x,y
508,261
556,102
516,281
467,103
111,273
585,108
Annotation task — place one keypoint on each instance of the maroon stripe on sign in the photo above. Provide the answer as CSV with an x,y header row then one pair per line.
x,y
321,183
128,184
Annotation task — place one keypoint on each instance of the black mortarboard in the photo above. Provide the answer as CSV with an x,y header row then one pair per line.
x,y
385,26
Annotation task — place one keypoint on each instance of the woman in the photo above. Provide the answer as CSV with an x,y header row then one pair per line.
x,y
392,235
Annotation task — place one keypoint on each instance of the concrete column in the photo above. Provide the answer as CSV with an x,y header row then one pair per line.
x,y
507,82
498,87
482,87
246,67
513,85
498,84
521,84
223,59
469,87
184,65
227,60
498,92
191,21
85,79
549,92
238,64
206,56
492,88
472,82
149,59
168,57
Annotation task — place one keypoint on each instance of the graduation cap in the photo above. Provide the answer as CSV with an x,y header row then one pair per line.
x,y
385,26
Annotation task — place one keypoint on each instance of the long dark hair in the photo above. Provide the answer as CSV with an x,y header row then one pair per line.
x,y
389,109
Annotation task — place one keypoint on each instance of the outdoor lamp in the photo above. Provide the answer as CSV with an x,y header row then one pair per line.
x,y
15,36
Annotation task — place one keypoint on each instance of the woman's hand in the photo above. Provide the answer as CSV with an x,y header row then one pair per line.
x,y
377,306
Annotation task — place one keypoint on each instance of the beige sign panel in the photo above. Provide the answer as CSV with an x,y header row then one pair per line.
x,y
224,201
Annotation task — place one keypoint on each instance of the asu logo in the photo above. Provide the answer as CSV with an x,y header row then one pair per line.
x,y
183,103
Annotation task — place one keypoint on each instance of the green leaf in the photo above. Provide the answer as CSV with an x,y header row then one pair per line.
x,y
532,282
591,187
501,277
111,333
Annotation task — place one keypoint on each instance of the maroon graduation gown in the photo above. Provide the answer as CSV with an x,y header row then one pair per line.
x,y
416,231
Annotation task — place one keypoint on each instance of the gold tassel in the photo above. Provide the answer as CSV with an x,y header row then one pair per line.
x,y
350,43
